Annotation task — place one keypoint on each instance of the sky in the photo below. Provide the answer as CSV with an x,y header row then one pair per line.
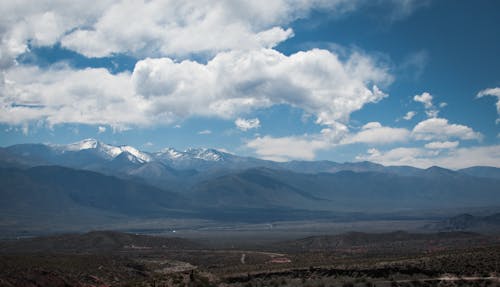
x,y
394,82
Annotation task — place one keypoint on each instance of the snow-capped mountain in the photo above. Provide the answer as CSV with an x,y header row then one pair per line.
x,y
192,153
206,154
191,158
91,154
108,152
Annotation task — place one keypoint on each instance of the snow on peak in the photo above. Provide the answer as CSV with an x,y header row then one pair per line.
x,y
205,154
107,151
81,145
170,153
134,155
142,157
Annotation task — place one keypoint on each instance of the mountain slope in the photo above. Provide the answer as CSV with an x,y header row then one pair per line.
x,y
482,171
253,188
349,191
384,242
94,242
53,191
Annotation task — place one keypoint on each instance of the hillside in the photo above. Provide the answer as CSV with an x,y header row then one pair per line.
x,y
94,242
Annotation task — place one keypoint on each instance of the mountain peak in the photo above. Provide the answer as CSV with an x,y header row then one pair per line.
x,y
88,143
140,156
205,154
104,150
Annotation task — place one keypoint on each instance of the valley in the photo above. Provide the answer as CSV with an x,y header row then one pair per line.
x,y
90,185
93,214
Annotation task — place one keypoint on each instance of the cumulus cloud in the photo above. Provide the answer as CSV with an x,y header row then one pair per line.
x,y
440,129
287,148
494,92
306,146
161,90
375,133
247,124
424,158
157,27
441,145
300,147
316,81
63,95
41,23
426,99
409,115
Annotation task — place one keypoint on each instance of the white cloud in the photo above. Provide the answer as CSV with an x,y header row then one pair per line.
x,y
409,115
101,129
424,158
42,23
426,99
287,148
247,124
440,129
442,145
375,133
305,147
494,92
62,95
161,91
237,81
156,27
205,132
443,104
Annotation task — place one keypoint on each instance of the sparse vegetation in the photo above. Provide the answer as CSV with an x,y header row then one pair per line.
x,y
187,265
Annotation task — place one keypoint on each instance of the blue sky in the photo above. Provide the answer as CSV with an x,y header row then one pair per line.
x,y
395,82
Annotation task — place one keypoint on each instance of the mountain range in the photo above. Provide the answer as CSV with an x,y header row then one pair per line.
x,y
95,182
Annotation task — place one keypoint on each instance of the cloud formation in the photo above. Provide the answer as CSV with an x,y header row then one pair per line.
x,y
247,124
426,99
375,133
437,130
63,95
442,145
409,115
440,129
493,92
287,148
153,28
424,158
162,91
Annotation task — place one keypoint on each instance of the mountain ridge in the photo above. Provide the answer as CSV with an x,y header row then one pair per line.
x,y
210,184
204,158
